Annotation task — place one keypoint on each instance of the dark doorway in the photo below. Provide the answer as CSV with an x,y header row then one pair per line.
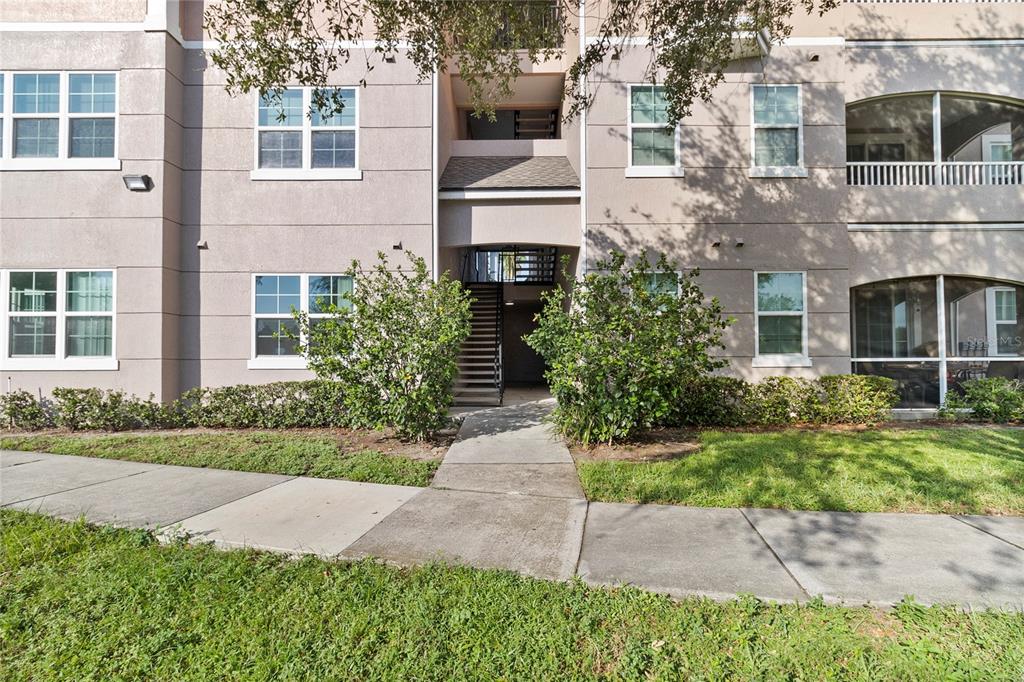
x,y
522,364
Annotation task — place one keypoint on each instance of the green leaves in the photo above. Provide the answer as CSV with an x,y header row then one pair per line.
x,y
623,347
395,349
267,44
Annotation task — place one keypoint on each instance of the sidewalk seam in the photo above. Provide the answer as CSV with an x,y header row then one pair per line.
x,y
583,539
237,499
774,554
79,487
986,532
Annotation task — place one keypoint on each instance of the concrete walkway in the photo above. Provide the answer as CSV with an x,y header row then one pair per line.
x,y
507,496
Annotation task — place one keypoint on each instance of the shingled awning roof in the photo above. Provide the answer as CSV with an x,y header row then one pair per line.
x,y
509,172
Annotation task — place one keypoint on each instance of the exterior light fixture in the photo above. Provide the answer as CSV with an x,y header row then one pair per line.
x,y
138,183
397,247
739,243
715,244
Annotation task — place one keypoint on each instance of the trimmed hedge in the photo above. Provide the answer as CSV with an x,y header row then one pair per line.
x,y
286,404
995,399
778,401
711,401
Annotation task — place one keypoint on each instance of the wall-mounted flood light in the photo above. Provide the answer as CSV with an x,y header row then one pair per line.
x,y
715,244
739,243
390,59
397,247
201,244
815,58
138,183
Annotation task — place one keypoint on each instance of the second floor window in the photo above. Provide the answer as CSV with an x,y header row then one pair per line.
x,y
69,117
653,142
777,129
290,140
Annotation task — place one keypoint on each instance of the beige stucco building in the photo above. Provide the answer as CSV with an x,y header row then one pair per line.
x,y
853,196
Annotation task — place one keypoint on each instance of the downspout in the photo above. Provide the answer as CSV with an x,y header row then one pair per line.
x,y
582,266
434,160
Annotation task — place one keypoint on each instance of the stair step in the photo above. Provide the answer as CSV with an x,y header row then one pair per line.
x,y
475,391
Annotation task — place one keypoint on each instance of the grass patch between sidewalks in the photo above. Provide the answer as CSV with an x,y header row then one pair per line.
x,y
929,470
316,454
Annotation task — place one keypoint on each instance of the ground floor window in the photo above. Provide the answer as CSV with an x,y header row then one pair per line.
x,y
931,334
58,318
780,317
275,333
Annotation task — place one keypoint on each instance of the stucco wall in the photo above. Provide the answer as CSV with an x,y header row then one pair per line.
x,y
84,219
284,226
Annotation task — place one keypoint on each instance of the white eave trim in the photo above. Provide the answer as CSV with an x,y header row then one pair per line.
x,y
935,227
497,194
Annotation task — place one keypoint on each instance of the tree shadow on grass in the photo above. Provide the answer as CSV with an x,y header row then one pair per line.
x,y
936,470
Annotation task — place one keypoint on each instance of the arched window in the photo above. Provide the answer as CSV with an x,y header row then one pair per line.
x,y
931,334
935,139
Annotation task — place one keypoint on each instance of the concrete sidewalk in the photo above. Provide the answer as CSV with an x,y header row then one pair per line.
x,y
504,498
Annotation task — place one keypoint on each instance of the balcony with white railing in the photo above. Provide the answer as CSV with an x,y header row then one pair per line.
x,y
928,173
934,139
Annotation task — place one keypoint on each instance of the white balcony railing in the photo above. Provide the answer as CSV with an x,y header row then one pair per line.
x,y
911,173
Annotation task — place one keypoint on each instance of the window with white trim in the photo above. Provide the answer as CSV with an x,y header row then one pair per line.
x,y
776,131
1001,303
55,120
653,142
276,297
294,139
663,283
780,316
59,319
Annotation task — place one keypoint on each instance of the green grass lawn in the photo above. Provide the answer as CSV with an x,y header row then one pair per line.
x,y
82,603
935,470
293,454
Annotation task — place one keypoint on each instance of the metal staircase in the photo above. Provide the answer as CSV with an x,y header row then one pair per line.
x,y
480,379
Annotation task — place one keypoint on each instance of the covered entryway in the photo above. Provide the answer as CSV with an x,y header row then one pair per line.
x,y
507,282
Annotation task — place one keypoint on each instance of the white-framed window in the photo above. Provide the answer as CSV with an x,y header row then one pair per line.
x,y
295,141
776,131
275,297
780,319
53,120
1001,305
663,283
654,144
59,319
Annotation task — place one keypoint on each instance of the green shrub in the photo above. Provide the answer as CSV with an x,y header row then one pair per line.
x,y
623,345
281,405
394,344
286,404
775,401
778,401
995,399
713,401
93,409
854,399
21,410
